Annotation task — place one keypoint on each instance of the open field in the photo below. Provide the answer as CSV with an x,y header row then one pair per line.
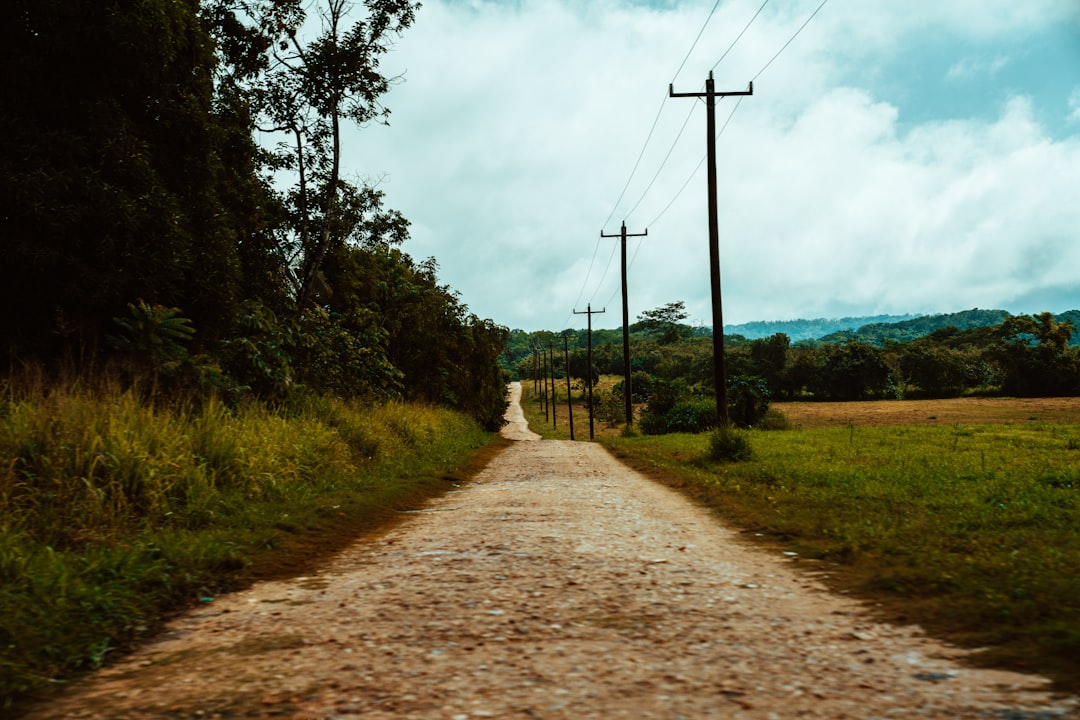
x,y
947,411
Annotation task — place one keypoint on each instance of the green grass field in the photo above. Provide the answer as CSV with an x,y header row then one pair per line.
x,y
972,531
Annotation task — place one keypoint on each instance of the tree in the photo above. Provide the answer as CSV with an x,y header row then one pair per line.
x,y
852,371
1034,354
311,81
114,183
664,322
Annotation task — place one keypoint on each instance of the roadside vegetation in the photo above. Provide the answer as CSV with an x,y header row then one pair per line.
x,y
114,511
217,361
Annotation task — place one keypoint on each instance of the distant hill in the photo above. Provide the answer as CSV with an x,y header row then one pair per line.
x,y
877,329
798,330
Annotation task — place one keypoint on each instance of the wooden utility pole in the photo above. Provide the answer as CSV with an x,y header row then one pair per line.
x,y
544,367
536,370
551,367
569,393
719,364
589,381
627,389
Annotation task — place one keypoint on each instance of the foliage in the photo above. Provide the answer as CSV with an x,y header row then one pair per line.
x,y
852,371
304,82
1035,358
113,184
609,406
113,512
665,322
727,444
687,416
748,400
158,332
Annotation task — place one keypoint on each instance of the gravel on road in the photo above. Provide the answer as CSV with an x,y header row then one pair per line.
x,y
557,584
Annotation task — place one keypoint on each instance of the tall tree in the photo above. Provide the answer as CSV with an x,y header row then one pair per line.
x,y
320,70
665,322
113,180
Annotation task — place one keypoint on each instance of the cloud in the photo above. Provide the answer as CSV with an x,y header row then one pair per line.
x,y
976,68
519,123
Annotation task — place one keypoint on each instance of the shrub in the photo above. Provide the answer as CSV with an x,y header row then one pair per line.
x,y
774,420
665,394
728,444
748,399
691,416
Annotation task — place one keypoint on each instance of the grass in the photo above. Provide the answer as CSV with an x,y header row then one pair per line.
x,y
114,512
972,531
541,423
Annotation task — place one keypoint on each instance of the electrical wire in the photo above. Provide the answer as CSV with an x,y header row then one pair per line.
x,y
741,98
790,40
691,111
637,163
659,112
678,136
739,36
698,166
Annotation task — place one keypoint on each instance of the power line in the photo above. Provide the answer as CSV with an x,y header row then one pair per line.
x,y
666,157
698,166
663,163
791,40
730,115
690,113
739,37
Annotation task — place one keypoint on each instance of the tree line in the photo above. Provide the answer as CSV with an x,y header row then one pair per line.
x,y
146,230
1022,355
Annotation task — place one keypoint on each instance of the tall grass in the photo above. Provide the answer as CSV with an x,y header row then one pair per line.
x,y
113,511
972,531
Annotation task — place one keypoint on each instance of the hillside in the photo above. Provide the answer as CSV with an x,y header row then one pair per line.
x,y
814,329
877,329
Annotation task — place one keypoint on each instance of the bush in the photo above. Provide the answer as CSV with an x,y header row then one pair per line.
x,y
728,444
774,420
665,394
609,406
691,416
748,399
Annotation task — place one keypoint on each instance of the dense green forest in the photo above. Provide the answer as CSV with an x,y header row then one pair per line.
x,y
148,236
986,352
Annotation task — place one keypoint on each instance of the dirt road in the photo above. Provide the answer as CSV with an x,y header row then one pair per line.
x,y
558,584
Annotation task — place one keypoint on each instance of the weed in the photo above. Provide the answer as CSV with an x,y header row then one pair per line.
x,y
727,444
113,511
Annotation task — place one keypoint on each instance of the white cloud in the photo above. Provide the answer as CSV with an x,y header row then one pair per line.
x,y
519,123
1074,105
976,68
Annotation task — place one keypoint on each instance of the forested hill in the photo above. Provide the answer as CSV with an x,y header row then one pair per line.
x,y
798,330
876,330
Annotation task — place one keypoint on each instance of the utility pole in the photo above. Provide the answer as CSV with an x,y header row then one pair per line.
x,y
589,381
536,370
551,366
719,364
569,393
544,367
627,390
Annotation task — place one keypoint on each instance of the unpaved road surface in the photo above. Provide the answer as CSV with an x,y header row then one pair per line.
x,y
558,584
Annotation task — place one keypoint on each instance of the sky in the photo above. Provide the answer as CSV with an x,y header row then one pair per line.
x,y
894,158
